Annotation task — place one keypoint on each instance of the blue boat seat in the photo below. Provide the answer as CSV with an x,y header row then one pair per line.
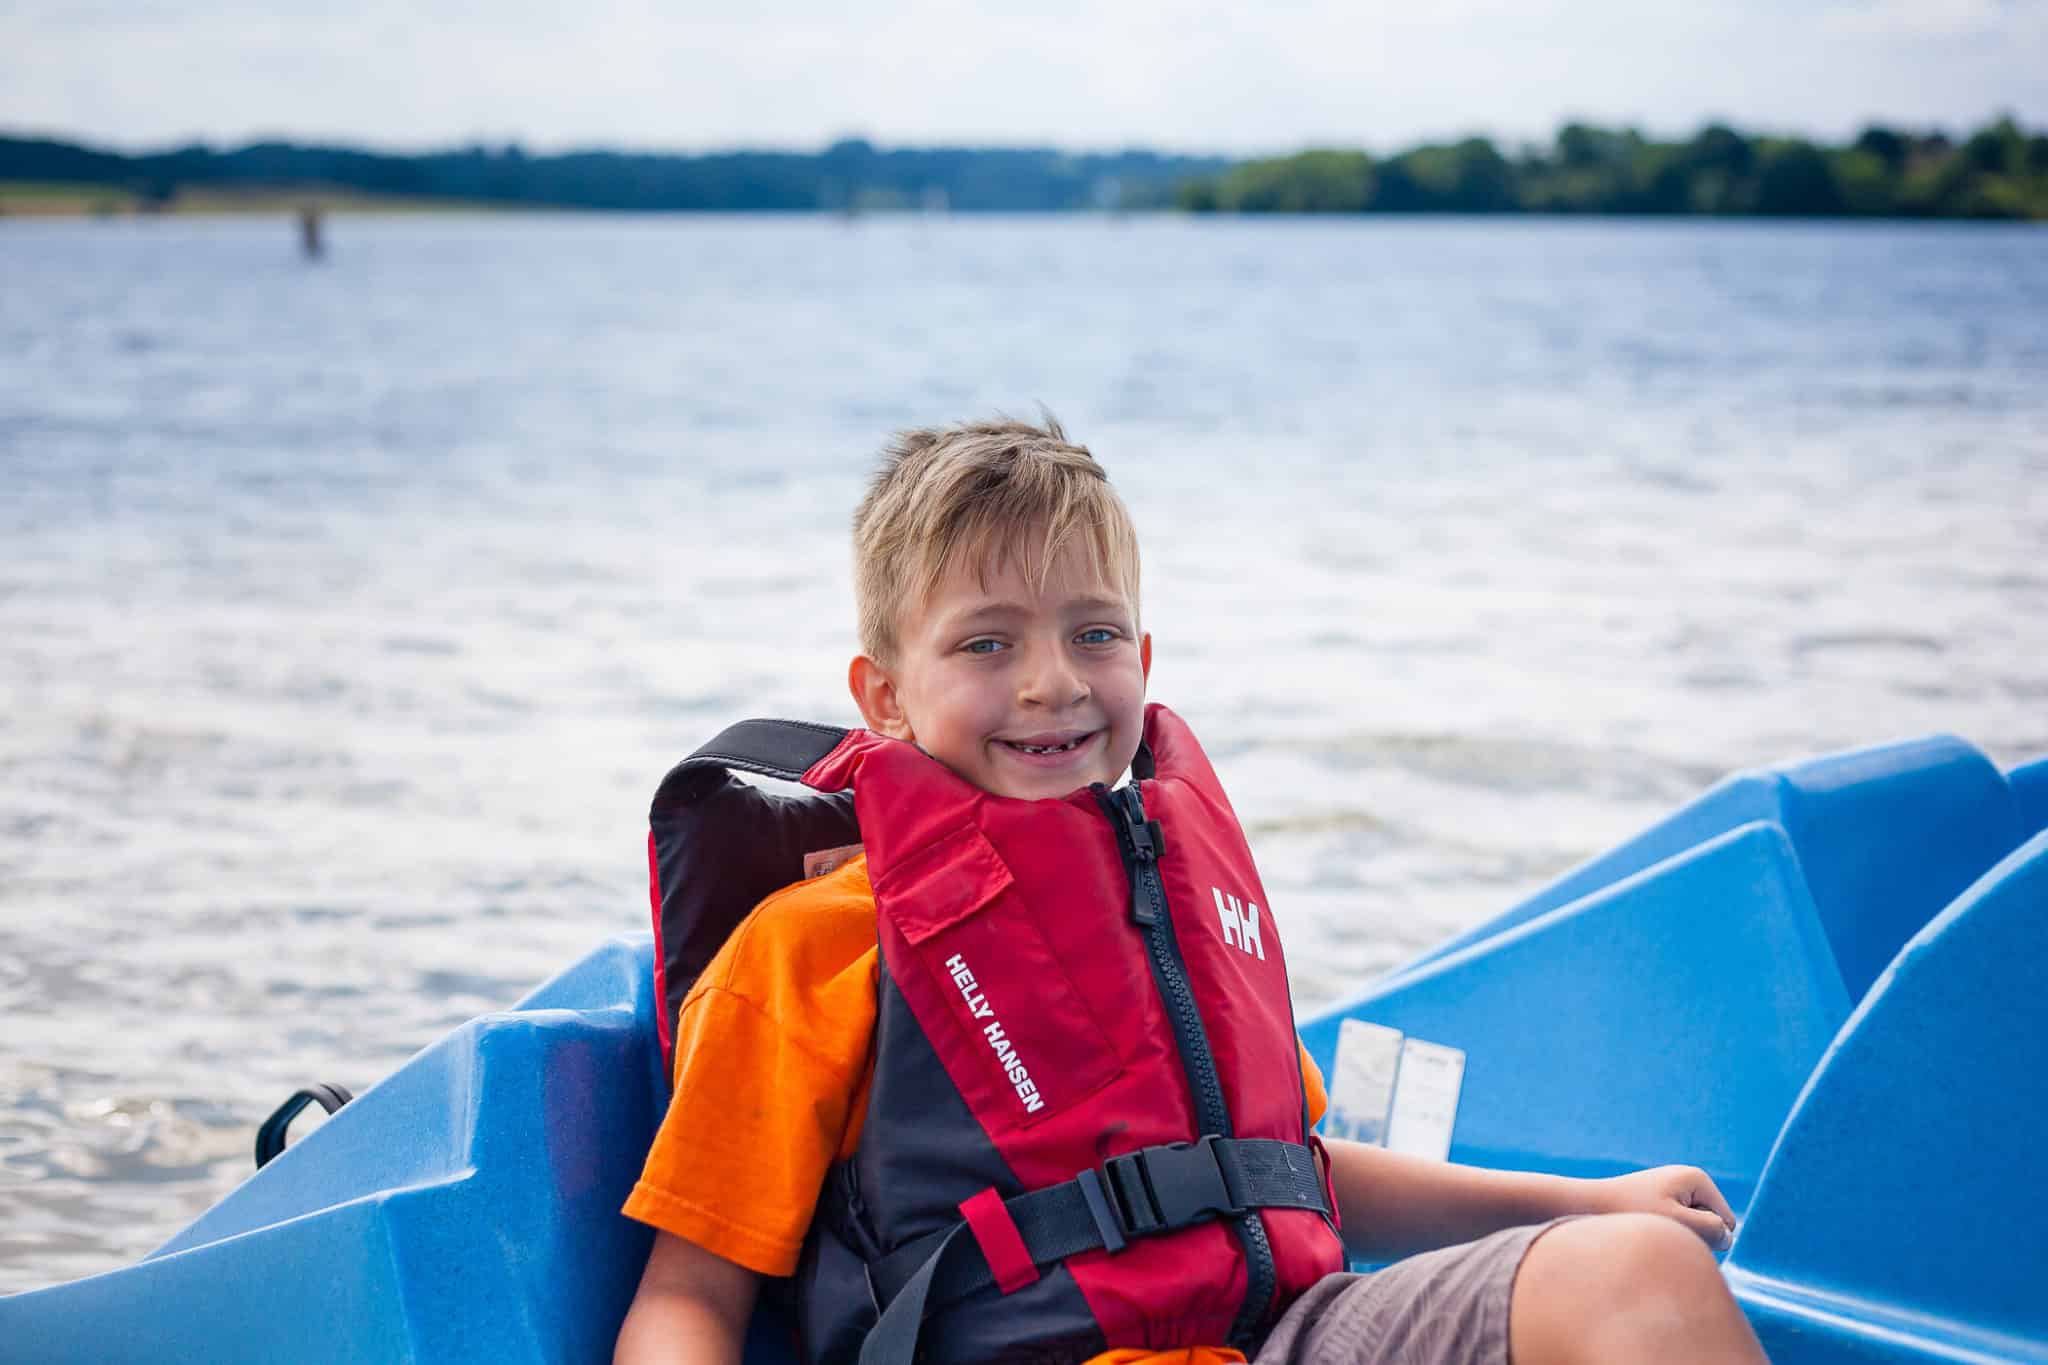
x,y
2029,784
1897,1218
1670,1016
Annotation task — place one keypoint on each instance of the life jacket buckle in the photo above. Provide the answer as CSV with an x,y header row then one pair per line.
x,y
1164,1188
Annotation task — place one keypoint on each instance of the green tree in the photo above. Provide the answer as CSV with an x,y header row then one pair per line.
x,y
1794,179
1465,177
1583,147
1997,149
1308,182
1867,182
1888,147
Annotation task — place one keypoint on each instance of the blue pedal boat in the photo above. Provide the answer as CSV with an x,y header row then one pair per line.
x,y
1826,982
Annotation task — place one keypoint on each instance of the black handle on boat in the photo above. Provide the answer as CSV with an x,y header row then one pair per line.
x,y
270,1137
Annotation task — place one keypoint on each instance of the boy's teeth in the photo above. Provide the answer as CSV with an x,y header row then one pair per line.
x,y
1046,748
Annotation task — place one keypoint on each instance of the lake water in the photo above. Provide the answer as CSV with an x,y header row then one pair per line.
x,y
350,611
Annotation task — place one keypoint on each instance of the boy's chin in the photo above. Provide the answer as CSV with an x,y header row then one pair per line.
x,y
1007,776
1049,791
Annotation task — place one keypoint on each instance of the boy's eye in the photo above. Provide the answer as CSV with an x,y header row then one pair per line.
x,y
1096,635
983,646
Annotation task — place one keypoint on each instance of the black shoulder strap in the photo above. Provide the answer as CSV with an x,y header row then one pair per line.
x,y
720,845
773,748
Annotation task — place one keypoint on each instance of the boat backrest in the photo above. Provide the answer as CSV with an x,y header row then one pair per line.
x,y
717,846
2029,783
1888,836
1672,1016
1901,1187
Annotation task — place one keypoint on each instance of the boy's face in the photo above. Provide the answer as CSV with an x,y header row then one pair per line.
x,y
1025,689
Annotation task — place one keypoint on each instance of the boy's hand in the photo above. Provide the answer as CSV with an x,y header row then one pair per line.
x,y
1685,1193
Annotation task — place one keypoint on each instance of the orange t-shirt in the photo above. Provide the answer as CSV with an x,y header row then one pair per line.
x,y
772,1064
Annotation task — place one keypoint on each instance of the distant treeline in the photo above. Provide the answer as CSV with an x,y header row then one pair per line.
x,y
849,176
1996,172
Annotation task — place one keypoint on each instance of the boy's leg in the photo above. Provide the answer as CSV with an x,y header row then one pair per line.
x,y
1622,1288
1443,1307
1580,1290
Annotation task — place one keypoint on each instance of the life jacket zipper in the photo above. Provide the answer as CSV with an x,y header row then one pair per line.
x,y
1141,842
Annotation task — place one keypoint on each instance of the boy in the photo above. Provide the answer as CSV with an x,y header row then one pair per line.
x,y
996,576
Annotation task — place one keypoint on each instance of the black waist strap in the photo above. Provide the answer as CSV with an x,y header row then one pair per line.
x,y
1142,1193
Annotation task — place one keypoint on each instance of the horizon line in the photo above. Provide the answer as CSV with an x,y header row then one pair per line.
x,y
501,144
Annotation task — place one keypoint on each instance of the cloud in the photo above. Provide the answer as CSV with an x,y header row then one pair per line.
x,y
1205,75
1919,18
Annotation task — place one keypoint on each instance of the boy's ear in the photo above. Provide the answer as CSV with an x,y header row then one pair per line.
x,y
874,692
1145,654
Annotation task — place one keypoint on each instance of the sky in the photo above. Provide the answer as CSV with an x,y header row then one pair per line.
x,y
1246,76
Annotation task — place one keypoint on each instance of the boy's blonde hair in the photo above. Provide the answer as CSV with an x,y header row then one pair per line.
x,y
981,493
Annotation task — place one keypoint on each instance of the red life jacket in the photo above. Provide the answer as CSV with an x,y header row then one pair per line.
x,y
1087,1126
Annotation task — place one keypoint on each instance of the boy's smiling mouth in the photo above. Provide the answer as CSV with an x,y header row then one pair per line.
x,y
1049,745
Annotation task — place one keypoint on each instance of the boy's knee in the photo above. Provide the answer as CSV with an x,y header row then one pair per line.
x,y
1647,1247
1620,1259
1624,1287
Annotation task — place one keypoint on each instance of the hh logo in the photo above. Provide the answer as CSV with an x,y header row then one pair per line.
x,y
1240,923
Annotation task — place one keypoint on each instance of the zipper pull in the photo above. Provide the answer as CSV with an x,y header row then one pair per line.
x,y
1143,848
1148,840
1139,841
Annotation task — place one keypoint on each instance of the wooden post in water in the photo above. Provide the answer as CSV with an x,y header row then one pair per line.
x,y
312,244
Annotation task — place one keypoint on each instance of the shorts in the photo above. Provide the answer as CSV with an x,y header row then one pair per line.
x,y
1443,1307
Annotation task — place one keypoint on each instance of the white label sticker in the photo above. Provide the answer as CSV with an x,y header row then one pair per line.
x,y
820,862
1426,1099
1361,1083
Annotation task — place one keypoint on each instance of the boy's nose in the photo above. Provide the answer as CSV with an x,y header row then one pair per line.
x,y
1051,681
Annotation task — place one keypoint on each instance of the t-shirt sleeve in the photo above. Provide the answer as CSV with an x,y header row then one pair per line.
x,y
772,1058
1312,1085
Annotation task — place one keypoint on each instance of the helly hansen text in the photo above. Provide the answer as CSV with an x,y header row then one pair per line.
x,y
1240,922
1006,1054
